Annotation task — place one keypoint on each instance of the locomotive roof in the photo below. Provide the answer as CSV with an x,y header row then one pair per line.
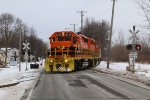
x,y
62,32
87,37
78,35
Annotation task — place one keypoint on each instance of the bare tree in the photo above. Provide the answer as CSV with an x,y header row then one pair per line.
x,y
13,32
144,54
37,46
98,31
7,25
14,41
119,44
145,7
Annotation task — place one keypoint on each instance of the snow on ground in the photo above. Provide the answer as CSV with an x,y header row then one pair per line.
x,y
142,71
24,79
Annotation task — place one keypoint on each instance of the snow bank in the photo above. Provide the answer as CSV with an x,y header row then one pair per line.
x,y
142,71
25,78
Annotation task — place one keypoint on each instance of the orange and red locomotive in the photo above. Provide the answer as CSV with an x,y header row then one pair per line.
x,y
70,52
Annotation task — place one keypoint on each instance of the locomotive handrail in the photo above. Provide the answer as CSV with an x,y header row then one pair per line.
x,y
67,51
50,51
62,52
75,52
55,52
76,49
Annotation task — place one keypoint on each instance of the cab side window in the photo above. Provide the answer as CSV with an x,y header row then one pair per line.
x,y
53,39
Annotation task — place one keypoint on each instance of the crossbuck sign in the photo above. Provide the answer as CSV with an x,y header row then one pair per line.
x,y
26,45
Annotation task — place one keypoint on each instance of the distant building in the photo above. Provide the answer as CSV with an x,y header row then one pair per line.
x,y
2,58
12,54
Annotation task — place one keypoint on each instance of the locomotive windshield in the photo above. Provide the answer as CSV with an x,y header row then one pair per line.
x,y
65,37
59,37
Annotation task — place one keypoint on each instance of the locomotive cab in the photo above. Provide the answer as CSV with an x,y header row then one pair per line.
x,y
64,39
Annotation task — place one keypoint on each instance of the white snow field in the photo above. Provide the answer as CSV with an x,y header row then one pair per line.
x,y
142,71
15,84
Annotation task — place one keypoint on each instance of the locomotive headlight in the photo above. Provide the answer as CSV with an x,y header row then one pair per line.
x,y
51,60
66,60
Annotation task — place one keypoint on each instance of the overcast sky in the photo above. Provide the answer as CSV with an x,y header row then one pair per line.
x,y
48,16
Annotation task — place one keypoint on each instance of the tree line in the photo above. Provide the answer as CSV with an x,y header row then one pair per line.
x,y
144,53
12,29
100,31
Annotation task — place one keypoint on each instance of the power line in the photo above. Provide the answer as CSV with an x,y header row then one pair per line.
x,y
82,14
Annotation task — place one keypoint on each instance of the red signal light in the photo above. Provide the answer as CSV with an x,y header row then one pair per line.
x,y
138,47
129,47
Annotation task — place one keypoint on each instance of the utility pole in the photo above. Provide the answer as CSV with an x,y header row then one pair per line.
x,y
74,27
20,46
82,14
111,28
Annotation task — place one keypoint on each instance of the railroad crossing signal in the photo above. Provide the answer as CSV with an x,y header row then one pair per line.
x,y
130,47
26,56
133,47
26,45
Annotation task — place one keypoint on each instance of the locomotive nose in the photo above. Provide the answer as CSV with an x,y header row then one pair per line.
x,y
61,44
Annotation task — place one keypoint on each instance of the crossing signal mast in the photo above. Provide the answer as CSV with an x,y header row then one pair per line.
x,y
26,56
133,48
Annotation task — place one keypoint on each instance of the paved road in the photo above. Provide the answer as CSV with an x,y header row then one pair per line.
x,y
86,85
